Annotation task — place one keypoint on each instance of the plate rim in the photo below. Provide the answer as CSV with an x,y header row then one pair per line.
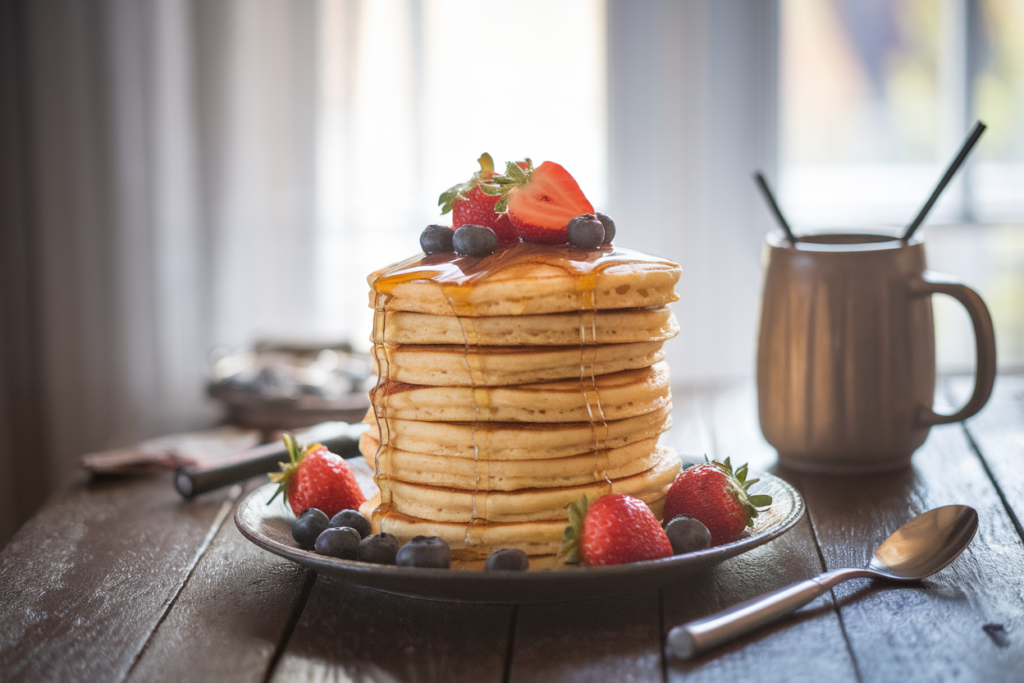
x,y
377,577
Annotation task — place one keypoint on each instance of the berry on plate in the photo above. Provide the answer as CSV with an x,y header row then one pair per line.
x,y
339,541
472,203
687,535
425,551
507,560
316,478
379,548
716,496
540,201
308,527
614,530
353,520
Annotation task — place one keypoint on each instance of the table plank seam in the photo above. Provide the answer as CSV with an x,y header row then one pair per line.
x,y
995,482
661,634
293,622
513,624
226,508
832,596
947,389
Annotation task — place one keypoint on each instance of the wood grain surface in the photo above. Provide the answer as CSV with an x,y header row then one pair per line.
x,y
122,580
236,609
352,633
87,580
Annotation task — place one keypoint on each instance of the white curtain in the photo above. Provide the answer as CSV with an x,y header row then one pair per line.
x,y
164,158
693,112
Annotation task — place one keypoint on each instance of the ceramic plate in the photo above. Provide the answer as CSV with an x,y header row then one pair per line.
x,y
269,526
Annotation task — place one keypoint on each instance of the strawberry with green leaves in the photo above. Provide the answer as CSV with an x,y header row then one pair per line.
x,y
716,496
471,204
540,201
316,478
616,529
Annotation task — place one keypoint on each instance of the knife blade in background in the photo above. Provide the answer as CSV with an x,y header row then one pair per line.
x,y
339,437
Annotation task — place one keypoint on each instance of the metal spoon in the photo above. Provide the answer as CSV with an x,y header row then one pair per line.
x,y
916,550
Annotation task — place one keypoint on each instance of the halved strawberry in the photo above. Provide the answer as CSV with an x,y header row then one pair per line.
x,y
470,205
540,201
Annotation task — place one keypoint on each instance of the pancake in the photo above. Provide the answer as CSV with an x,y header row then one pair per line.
x,y
525,279
540,540
513,441
457,365
606,397
512,475
554,329
527,505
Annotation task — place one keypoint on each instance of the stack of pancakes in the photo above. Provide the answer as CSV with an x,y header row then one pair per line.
x,y
511,385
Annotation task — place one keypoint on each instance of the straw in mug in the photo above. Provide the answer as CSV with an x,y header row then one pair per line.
x,y
768,197
978,129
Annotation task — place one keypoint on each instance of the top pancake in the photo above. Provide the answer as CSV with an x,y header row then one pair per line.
x,y
525,279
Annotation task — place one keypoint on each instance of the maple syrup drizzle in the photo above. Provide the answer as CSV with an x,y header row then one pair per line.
x,y
458,276
378,397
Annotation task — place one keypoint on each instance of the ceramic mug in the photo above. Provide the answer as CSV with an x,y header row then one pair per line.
x,y
846,351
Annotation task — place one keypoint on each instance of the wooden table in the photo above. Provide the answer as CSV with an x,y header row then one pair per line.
x,y
122,580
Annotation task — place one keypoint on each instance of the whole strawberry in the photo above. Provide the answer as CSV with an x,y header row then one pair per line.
x,y
471,205
316,478
616,529
716,496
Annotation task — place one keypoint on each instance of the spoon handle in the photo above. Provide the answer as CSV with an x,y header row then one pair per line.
x,y
697,636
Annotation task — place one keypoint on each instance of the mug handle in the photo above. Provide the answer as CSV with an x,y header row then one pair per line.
x,y
930,283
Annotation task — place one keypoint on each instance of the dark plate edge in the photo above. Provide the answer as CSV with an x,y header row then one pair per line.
x,y
515,587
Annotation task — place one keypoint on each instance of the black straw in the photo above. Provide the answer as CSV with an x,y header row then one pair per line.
x,y
979,128
768,197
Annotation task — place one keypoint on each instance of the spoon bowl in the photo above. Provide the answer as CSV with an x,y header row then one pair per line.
x,y
924,545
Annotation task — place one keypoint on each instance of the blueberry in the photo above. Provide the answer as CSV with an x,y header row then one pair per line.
x,y
586,231
507,560
308,526
425,551
353,520
609,227
436,239
687,535
378,549
340,542
475,240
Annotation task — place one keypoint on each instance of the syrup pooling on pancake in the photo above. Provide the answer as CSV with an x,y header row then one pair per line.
x,y
458,276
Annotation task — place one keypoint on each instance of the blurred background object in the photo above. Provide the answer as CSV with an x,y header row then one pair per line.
x,y
178,176
288,385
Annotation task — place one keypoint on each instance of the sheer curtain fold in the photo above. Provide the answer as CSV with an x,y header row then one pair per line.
x,y
167,161
692,110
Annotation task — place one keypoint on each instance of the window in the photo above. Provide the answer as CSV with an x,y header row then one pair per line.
x,y
876,98
413,93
